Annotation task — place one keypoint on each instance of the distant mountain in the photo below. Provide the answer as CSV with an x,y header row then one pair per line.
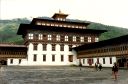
x,y
8,30
112,30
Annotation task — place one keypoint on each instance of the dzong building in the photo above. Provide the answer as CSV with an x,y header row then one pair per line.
x,y
58,41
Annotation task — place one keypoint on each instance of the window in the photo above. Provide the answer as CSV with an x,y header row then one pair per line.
x,y
60,25
43,23
53,47
110,60
65,25
49,37
61,47
90,61
82,39
72,26
76,26
11,61
44,57
19,61
96,39
53,58
83,61
58,37
103,60
35,46
62,58
66,38
35,57
74,38
48,24
40,36
89,39
68,25
30,36
44,47
56,24
70,58
52,24
38,23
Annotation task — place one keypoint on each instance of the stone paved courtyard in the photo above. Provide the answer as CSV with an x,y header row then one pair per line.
x,y
59,75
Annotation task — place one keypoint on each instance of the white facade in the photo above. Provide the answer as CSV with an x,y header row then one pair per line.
x,y
106,62
29,61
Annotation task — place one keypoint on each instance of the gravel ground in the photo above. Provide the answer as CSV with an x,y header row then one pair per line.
x,y
59,75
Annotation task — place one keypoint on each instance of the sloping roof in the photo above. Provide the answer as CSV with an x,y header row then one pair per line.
x,y
59,14
67,21
113,41
23,27
11,45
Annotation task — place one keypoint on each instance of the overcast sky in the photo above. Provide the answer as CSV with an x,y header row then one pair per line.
x,y
109,12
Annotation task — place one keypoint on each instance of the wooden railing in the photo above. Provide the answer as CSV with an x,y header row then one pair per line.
x,y
101,54
13,56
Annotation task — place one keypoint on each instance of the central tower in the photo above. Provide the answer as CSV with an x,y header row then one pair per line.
x,y
50,41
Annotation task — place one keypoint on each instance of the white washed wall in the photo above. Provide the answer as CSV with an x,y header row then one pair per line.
x,y
29,61
107,61
16,62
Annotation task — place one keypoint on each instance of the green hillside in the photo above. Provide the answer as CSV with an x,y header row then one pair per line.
x,y
8,30
112,30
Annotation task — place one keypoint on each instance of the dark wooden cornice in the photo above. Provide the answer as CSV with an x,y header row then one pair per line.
x,y
24,27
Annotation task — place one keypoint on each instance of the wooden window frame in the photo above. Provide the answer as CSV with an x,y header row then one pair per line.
x,y
30,36
62,58
40,37
62,47
44,57
83,61
57,37
49,37
35,57
70,58
53,47
44,47
74,38
110,60
66,38
82,39
103,60
53,58
35,47
11,61
89,39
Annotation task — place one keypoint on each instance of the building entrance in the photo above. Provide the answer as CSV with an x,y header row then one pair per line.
x,y
122,62
3,62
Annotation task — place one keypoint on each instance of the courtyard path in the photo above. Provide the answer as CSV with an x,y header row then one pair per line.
x,y
59,75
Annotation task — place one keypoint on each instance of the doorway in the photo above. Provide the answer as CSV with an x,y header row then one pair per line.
x,y
122,62
3,62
